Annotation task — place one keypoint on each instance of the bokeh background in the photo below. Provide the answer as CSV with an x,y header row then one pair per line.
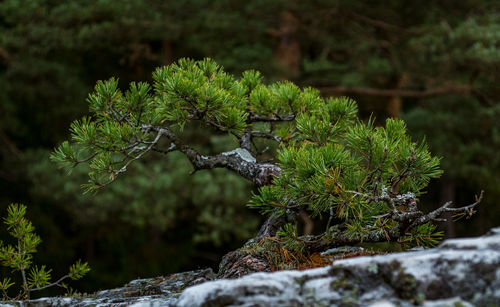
x,y
436,64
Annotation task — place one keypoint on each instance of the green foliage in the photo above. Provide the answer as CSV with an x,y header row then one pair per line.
x,y
290,238
19,257
473,40
423,235
52,52
156,212
157,194
331,162
182,93
350,172
466,142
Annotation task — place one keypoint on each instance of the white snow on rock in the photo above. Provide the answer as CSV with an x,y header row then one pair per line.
x,y
473,243
383,303
242,153
459,271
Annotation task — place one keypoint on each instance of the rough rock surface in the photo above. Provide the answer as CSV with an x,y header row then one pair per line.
x,y
460,272
238,263
159,291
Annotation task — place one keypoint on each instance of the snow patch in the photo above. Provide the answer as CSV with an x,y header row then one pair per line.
x,y
320,289
148,302
490,242
258,286
242,153
455,301
383,303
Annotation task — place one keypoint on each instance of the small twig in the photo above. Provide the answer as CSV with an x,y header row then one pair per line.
x,y
256,118
380,216
124,168
123,117
379,166
329,220
286,206
22,268
263,151
375,198
139,118
4,251
402,176
87,159
446,208
370,153
171,148
265,135
245,139
56,283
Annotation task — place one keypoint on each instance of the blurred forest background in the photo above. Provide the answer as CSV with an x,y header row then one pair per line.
x,y
436,64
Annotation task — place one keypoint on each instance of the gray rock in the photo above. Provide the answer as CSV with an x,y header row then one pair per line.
x,y
151,292
459,272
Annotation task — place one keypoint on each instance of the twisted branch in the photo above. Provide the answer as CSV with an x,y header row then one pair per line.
x,y
240,160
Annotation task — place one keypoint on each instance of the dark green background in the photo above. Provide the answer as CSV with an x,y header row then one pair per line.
x,y
158,219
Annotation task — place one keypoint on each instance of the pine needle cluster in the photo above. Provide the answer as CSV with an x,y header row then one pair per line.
x,y
326,162
19,257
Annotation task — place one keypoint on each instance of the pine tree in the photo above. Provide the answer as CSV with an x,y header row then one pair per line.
x,y
52,52
365,179
19,257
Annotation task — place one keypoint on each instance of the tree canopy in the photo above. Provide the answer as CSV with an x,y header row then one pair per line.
x,y
434,65
328,161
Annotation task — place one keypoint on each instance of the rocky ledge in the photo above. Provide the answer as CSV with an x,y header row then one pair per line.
x,y
459,272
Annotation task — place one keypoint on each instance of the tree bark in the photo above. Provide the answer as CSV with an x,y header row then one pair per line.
x,y
239,160
395,103
287,53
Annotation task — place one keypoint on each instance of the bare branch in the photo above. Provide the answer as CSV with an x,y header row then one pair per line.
x,y
376,198
255,118
134,148
402,175
87,159
56,283
171,148
434,215
124,168
379,166
342,238
265,135
240,160
245,139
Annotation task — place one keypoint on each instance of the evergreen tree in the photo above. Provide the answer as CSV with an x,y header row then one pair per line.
x,y
366,179
51,53
392,57
19,257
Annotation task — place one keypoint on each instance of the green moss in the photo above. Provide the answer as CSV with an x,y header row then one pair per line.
x,y
341,284
405,286
349,291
